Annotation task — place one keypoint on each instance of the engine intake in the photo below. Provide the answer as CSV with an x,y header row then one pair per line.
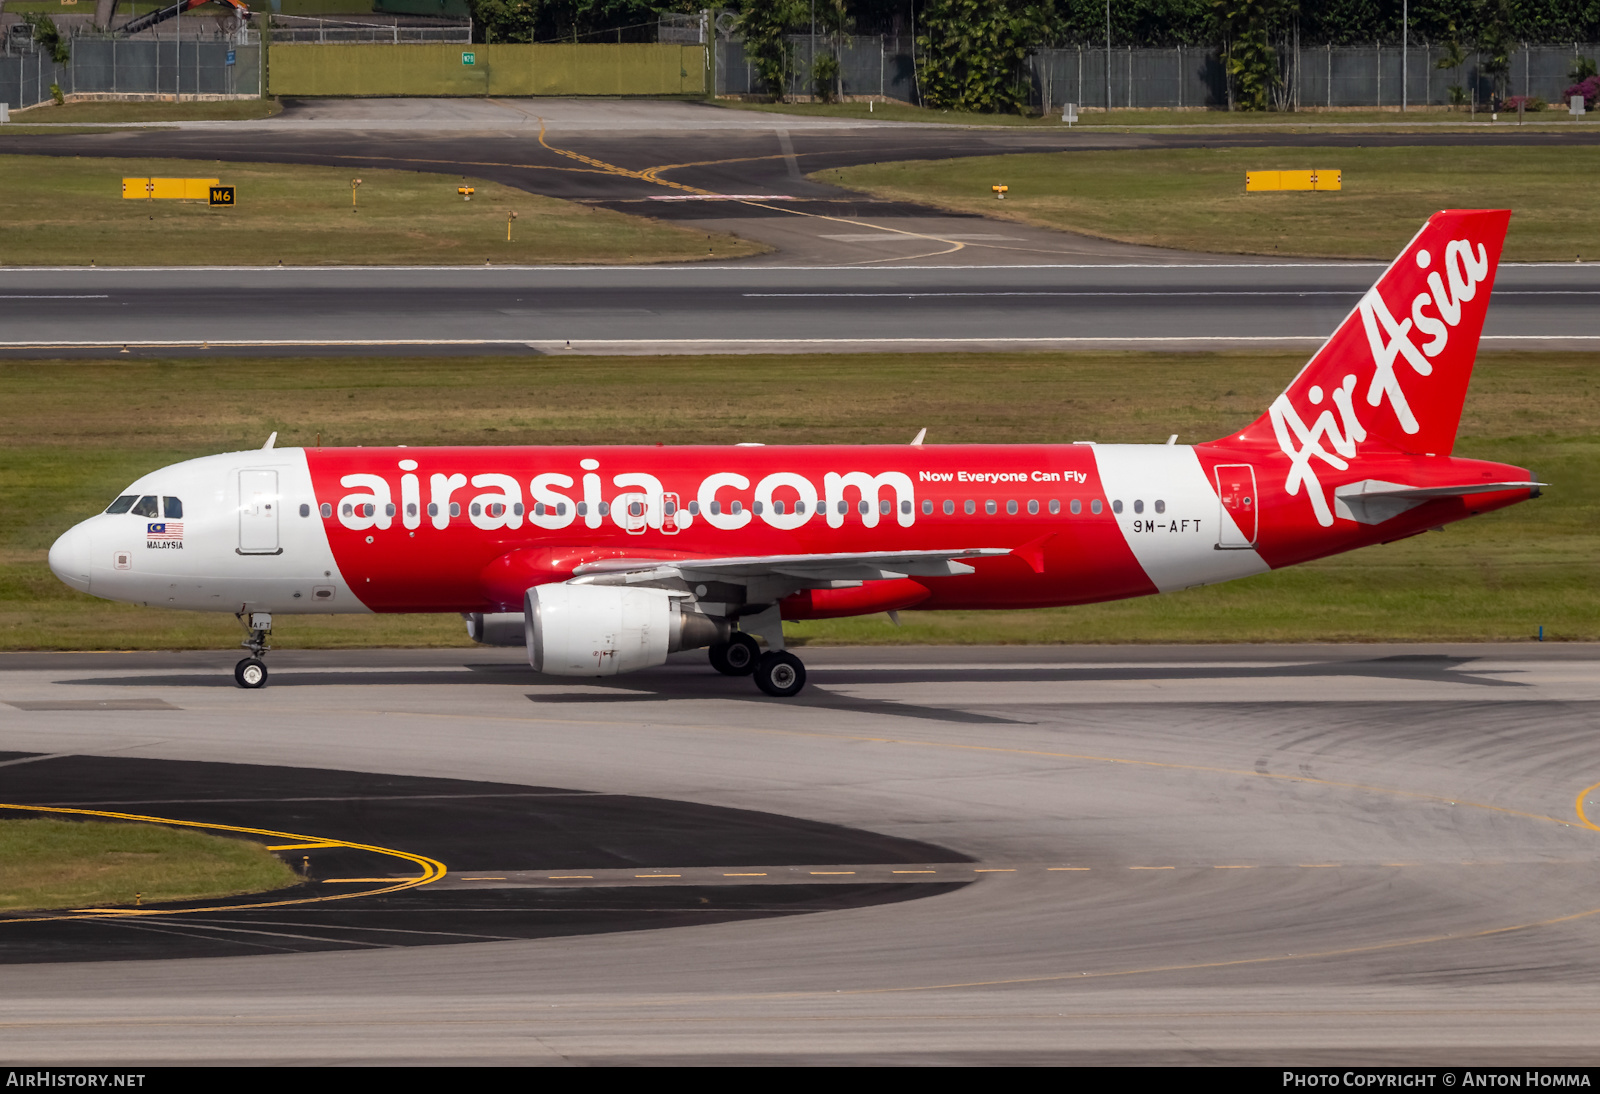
x,y
603,630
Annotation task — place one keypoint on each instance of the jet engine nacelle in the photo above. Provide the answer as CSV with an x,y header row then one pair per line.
x,y
495,628
602,630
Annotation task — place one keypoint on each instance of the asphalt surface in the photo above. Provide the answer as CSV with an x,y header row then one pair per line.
x,y
1265,854
695,309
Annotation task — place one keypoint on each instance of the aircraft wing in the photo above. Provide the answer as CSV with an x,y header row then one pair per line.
x,y
846,567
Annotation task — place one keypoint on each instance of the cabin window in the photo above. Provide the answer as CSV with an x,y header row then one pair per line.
x,y
1077,507
1161,506
605,509
756,507
455,509
122,504
327,509
800,508
636,508
368,509
1055,505
969,507
863,506
583,508
1138,505
538,508
1033,507
1095,507
905,507
844,506
561,508
694,508
146,507
305,510
777,507
1116,506
433,508
388,510
736,508
949,507
496,509
347,510
716,508
990,508
885,507
172,508
1011,507
411,508
477,510
927,507
671,507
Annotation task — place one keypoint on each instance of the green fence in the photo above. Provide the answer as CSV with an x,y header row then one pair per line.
x,y
437,70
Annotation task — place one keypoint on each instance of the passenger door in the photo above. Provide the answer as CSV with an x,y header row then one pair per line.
x,y
258,513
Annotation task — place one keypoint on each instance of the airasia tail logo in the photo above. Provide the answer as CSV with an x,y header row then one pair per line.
x,y
1336,431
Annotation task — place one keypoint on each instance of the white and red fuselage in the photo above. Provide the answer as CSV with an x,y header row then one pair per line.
x,y
1355,452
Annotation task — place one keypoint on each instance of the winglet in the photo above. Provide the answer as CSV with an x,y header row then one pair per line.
x,y
272,440
917,440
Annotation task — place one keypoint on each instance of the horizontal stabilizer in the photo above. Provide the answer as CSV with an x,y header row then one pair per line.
x,y
1373,502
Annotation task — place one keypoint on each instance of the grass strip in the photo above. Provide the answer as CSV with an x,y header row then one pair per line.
x,y
1425,119
77,432
70,211
46,863
1194,198
156,112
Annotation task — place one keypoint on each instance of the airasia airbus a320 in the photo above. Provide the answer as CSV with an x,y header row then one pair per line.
x,y
606,559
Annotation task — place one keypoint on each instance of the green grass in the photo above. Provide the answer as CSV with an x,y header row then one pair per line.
x,y
70,211
1427,119
1194,199
76,432
82,864
155,113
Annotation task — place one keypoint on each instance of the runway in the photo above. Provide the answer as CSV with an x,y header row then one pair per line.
x,y
1266,854
702,309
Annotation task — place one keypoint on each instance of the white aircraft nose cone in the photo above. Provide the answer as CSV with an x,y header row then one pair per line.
x,y
69,557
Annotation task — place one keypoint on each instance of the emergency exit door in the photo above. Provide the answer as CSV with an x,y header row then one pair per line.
x,y
258,513
1236,489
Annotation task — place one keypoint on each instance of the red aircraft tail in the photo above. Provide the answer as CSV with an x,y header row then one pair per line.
x,y
1396,370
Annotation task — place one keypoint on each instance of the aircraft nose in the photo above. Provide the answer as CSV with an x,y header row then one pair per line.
x,y
69,557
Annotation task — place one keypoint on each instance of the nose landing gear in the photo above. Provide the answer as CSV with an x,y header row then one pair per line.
x,y
252,671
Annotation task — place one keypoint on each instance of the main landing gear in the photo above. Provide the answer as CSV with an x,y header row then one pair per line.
x,y
779,673
252,671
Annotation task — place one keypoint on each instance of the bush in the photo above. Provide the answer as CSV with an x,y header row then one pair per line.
x,y
1530,103
824,76
1589,89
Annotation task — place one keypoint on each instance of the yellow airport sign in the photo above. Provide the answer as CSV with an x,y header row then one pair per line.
x,y
1321,178
221,195
168,189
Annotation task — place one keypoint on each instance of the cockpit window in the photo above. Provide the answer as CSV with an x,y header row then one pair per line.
x,y
173,508
123,504
146,507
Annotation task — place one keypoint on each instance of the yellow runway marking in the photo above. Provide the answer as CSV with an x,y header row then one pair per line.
x,y
916,871
432,869
299,846
995,870
832,873
1152,867
570,877
1324,865
480,879
1066,867
657,875
744,875
355,880
1233,867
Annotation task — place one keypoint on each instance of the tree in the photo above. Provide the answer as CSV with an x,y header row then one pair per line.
x,y
1454,60
764,26
1494,41
49,37
1248,59
972,51
505,20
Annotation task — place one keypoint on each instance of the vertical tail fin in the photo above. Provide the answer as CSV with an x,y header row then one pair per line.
x,y
1396,370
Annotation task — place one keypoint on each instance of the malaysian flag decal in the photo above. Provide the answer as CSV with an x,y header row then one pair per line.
x,y
170,530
